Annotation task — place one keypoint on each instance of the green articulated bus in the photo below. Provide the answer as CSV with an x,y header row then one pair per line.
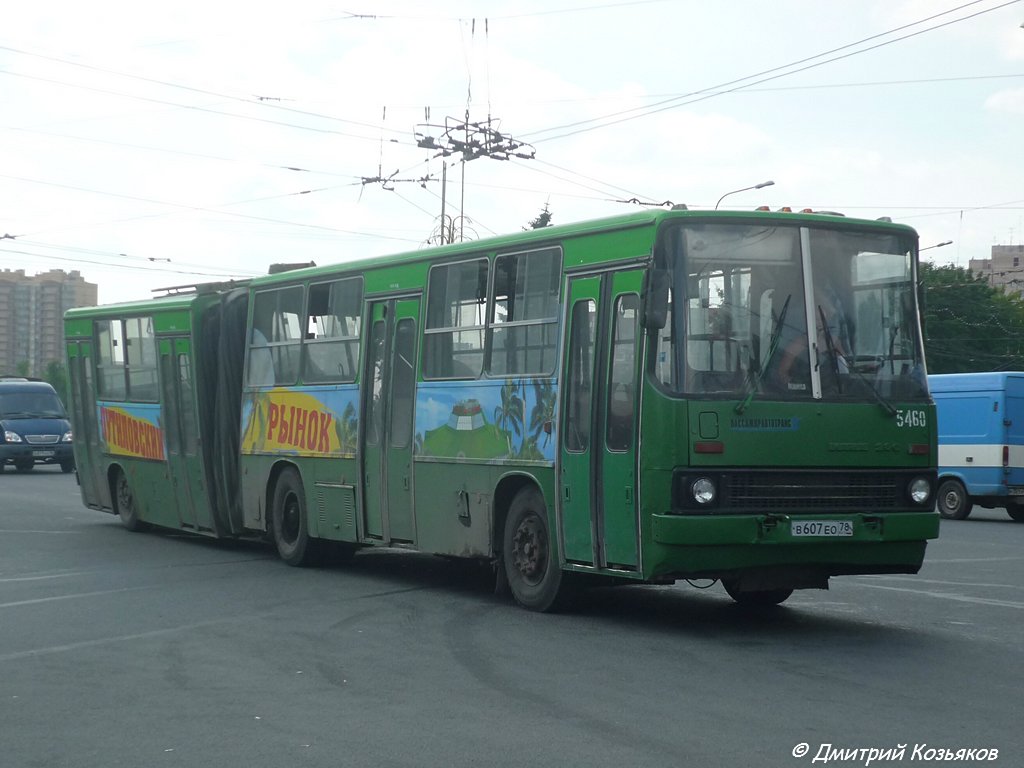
x,y
664,395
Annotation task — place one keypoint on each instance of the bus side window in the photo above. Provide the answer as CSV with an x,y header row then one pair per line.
x,y
276,337
140,350
453,339
111,370
333,322
524,317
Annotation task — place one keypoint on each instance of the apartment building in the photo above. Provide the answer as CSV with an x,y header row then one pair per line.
x,y
1004,270
32,316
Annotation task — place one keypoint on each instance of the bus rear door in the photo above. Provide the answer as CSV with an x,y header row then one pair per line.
x,y
86,430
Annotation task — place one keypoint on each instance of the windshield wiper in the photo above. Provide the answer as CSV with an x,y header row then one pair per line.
x,y
837,356
754,380
833,353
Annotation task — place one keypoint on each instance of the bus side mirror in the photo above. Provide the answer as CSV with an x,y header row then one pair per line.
x,y
656,284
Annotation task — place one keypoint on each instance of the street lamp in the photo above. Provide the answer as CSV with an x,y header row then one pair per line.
x,y
762,185
937,245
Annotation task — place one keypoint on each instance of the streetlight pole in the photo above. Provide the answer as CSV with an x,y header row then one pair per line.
x,y
762,185
937,245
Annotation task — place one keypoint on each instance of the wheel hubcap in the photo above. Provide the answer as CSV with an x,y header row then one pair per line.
x,y
290,519
124,496
530,549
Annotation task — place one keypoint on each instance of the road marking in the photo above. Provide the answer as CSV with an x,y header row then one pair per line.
x,y
39,578
117,639
70,597
11,530
919,580
971,559
948,596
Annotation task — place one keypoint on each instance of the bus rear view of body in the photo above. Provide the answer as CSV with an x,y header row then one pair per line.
x,y
981,442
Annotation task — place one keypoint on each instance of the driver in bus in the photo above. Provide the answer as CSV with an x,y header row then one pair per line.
x,y
832,328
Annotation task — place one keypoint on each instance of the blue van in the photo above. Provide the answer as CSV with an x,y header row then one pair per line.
x,y
981,442
34,427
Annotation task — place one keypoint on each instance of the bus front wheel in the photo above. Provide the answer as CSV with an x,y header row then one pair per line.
x,y
288,524
953,501
528,554
124,501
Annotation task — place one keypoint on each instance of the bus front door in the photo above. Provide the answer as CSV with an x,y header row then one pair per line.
x,y
181,433
388,413
86,429
597,457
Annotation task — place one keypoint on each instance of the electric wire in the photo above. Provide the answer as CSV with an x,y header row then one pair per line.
x,y
737,84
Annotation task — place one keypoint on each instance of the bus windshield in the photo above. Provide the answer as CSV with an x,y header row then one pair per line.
x,y
790,312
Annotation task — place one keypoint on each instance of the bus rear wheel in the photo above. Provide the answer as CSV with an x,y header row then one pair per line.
x,y
124,503
288,522
953,501
528,554
760,598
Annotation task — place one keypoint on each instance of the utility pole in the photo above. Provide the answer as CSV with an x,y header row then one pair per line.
x,y
470,140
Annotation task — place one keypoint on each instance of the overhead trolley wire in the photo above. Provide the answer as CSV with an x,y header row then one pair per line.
x,y
737,84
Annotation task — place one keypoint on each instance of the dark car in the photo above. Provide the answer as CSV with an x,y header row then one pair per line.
x,y
34,426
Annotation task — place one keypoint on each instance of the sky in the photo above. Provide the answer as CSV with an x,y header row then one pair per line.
x,y
157,145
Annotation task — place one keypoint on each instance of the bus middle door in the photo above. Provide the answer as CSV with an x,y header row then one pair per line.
x,y
181,433
389,389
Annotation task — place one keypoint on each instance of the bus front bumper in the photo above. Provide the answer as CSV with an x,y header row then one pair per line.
x,y
763,549
717,530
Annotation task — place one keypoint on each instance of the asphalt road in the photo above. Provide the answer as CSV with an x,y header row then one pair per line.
x,y
157,649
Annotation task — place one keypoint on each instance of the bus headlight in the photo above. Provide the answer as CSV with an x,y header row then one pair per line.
x,y
920,490
703,490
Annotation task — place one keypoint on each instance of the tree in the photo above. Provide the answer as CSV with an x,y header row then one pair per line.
x,y
968,325
21,369
543,220
57,376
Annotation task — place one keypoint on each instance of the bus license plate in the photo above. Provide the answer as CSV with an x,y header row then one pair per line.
x,y
821,528
42,454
